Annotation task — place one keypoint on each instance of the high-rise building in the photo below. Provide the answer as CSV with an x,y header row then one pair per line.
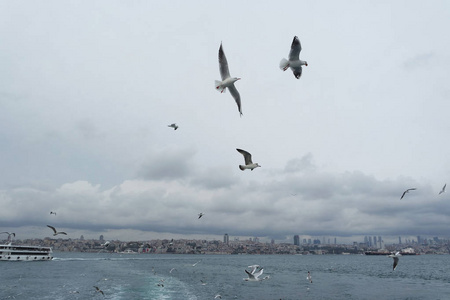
x,y
226,238
296,240
400,240
374,241
380,246
101,237
370,241
419,240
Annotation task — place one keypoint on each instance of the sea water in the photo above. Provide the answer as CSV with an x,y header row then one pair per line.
x,y
147,276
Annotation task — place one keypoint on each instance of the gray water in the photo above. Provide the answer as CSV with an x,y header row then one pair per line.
x,y
136,276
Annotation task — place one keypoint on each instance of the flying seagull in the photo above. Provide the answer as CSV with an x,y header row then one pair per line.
x,y
309,277
294,62
53,213
9,234
248,161
200,215
443,189
253,275
196,263
173,125
227,81
56,232
395,257
99,290
407,191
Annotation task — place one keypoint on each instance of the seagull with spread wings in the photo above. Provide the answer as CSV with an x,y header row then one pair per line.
x,y
227,81
294,61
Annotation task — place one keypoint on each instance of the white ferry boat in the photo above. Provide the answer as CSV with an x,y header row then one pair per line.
x,y
25,253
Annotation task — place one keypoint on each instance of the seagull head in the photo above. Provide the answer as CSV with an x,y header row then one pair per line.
x,y
236,79
306,63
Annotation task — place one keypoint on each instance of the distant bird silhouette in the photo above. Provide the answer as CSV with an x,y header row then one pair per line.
x,y
173,125
407,191
99,290
443,189
53,213
56,232
200,215
196,263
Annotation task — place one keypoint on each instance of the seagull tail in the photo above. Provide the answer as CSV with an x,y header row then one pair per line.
x,y
218,86
241,167
284,64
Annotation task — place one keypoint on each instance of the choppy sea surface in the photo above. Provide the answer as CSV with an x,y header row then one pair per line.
x,y
147,276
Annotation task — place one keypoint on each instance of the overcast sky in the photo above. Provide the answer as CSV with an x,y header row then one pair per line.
x,y
87,89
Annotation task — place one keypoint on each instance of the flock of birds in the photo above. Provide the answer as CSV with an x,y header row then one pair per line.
x,y
295,64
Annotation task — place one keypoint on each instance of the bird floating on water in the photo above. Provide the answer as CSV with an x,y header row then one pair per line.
x,y
407,191
443,189
395,257
173,125
227,81
294,61
248,161
56,232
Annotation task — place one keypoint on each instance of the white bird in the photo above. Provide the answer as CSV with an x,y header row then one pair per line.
x,y
56,232
227,81
254,276
173,125
407,191
443,189
196,263
309,277
395,257
218,296
248,161
9,235
294,62
171,270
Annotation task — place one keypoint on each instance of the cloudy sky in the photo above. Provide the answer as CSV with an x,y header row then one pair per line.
x,y
87,89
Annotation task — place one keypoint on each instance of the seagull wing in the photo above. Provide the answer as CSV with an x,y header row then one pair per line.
x,y
250,275
53,228
259,273
247,156
296,47
395,263
62,233
234,92
223,64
